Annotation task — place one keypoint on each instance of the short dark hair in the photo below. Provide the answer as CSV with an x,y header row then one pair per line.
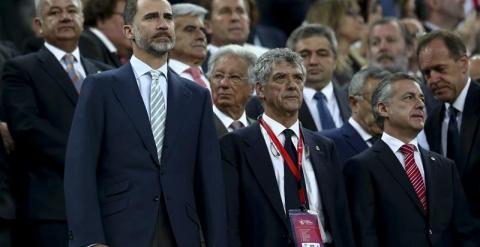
x,y
130,11
313,30
94,9
452,41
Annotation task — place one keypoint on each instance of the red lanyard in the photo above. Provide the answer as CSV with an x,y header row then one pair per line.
x,y
295,169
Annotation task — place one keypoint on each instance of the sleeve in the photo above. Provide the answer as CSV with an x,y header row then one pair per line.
x,y
82,206
361,198
209,181
23,114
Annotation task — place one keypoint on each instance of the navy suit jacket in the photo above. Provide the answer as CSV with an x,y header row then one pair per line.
x,y
39,101
114,180
256,215
347,140
469,165
254,109
92,47
386,210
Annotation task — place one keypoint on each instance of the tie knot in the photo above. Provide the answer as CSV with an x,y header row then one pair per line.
x,y
194,71
155,74
452,112
236,125
407,149
288,133
319,96
69,58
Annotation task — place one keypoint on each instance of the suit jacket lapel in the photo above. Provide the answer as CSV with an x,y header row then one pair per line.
x,y
470,123
393,166
55,70
306,117
435,138
430,175
89,67
341,97
126,89
258,158
353,138
177,98
322,174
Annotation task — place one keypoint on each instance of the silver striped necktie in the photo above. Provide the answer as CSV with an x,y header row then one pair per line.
x,y
77,80
157,111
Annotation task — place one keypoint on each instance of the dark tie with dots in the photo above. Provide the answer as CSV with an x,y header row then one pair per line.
x,y
292,201
235,125
325,117
453,137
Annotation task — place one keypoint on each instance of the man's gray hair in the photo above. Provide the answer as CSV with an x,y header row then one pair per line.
x,y
39,6
358,81
263,67
306,31
180,9
383,93
234,50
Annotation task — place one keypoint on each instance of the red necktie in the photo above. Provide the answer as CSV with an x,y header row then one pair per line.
x,y
414,175
196,75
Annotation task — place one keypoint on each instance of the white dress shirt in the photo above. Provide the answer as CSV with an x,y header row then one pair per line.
x,y
459,104
144,80
332,105
59,54
313,192
395,145
180,68
227,120
363,134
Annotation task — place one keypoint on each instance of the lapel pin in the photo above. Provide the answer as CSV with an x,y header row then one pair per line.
x,y
317,148
432,158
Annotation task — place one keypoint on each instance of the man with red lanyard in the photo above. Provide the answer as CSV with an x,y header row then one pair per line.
x,y
283,182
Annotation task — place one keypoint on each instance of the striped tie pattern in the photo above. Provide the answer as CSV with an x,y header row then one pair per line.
x,y
157,111
68,59
413,174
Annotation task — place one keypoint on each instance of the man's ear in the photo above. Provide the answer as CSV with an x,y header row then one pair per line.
x,y
127,32
208,26
353,102
382,108
259,90
37,26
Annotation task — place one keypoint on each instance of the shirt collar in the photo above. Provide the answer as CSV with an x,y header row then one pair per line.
x,y
59,53
227,120
140,68
278,128
179,67
309,93
395,143
106,41
364,134
459,103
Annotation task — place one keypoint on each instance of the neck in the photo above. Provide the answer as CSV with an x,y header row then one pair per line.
x,y
235,112
343,47
67,46
318,86
153,61
442,21
287,119
404,136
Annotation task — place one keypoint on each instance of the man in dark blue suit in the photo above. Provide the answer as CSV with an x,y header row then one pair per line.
x,y
360,131
40,91
261,188
143,164
400,194
453,128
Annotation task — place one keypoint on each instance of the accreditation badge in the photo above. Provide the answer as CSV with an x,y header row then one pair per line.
x,y
305,228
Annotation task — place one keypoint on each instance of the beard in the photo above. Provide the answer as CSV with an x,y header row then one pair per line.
x,y
152,47
396,63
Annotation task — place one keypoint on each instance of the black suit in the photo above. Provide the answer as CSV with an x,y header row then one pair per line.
x,y
469,165
386,210
254,109
92,47
39,100
255,211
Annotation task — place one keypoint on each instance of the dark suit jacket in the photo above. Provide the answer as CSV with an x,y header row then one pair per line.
x,y
469,165
222,130
386,210
39,100
92,47
114,180
255,210
254,109
269,36
347,140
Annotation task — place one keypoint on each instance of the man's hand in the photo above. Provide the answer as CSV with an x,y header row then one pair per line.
x,y
7,138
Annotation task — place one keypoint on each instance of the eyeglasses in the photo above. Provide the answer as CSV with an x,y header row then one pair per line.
x,y
235,79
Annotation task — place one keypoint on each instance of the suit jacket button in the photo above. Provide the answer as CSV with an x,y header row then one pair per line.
x,y
430,232
156,199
